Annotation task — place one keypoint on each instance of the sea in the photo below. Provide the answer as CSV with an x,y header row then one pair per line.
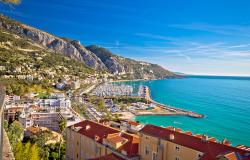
x,y
225,102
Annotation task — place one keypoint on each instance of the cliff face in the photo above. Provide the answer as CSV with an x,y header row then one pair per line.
x,y
95,57
130,68
71,49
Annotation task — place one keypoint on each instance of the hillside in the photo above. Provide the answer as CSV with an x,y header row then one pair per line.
x,y
129,68
97,58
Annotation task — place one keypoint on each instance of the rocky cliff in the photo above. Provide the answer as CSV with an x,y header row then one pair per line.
x,y
93,56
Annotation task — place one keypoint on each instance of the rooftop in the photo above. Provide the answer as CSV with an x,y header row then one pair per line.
x,y
99,132
108,157
209,147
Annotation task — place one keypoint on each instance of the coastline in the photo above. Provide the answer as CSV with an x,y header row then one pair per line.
x,y
160,109
163,109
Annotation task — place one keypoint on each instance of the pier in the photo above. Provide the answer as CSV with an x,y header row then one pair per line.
x,y
165,109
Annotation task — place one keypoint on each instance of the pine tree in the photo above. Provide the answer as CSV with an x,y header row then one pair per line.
x,y
34,153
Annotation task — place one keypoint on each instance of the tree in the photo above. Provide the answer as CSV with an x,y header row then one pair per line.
x,y
19,150
101,105
62,124
34,152
26,151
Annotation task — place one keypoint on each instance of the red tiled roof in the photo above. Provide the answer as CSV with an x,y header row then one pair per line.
x,y
231,156
92,130
210,149
133,123
108,157
116,138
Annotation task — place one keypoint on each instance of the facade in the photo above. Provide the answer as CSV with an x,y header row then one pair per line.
x,y
91,140
11,98
54,103
158,143
49,120
130,126
11,113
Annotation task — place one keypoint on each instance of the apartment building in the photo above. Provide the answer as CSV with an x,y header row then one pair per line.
x,y
50,120
91,140
158,143
54,103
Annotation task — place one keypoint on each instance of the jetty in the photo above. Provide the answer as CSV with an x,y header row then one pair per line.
x,y
163,109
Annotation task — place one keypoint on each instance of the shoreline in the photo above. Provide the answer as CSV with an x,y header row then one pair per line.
x,y
165,109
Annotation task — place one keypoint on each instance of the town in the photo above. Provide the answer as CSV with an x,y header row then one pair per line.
x,y
97,122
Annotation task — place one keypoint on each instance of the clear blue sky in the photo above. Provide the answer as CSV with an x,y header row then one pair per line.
x,y
190,36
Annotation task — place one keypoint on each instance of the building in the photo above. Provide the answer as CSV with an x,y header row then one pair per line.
x,y
12,112
54,103
11,98
158,143
92,140
131,126
50,120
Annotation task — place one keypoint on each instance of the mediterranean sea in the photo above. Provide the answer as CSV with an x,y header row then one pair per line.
x,y
225,101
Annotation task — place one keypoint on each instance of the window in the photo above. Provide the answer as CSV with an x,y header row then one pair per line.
x,y
146,150
177,148
77,143
154,156
76,155
177,158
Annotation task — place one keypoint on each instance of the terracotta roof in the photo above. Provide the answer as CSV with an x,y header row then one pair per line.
x,y
36,130
116,138
133,123
108,157
231,156
211,149
98,132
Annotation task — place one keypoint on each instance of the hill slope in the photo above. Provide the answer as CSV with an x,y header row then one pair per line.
x,y
130,68
97,58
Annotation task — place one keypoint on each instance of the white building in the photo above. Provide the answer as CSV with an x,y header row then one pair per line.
x,y
54,103
50,120
11,98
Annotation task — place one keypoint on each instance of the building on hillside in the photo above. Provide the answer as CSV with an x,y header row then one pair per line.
x,y
50,120
130,126
12,112
34,130
54,103
158,143
11,98
91,140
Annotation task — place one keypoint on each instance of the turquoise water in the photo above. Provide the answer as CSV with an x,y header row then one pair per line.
x,y
224,100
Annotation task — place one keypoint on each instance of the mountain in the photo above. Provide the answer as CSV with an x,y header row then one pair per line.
x,y
72,49
129,68
95,57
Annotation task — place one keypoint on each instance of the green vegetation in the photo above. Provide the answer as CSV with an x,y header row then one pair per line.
x,y
20,59
21,87
49,151
22,151
34,147
62,124
26,151
126,100
14,131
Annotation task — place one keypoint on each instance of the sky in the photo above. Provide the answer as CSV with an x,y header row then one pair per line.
x,y
206,37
